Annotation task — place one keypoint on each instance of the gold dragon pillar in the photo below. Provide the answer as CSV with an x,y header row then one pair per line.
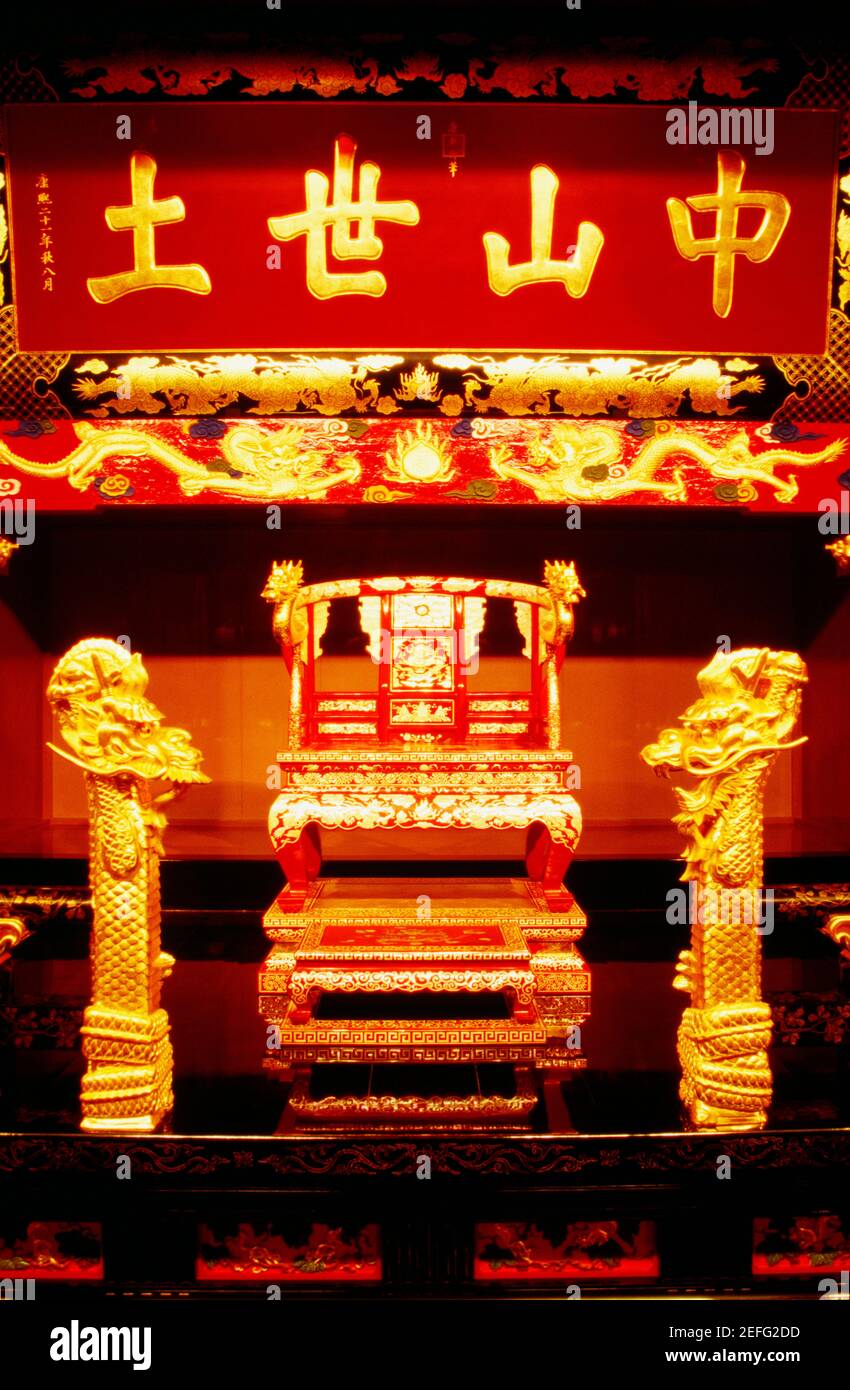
x,y
116,735
290,625
728,740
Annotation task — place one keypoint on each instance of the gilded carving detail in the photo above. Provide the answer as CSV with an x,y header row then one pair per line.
x,y
428,979
260,464
425,1110
482,729
840,550
291,811
519,386
524,71
205,386
380,939
428,781
729,739
837,928
453,383
419,455
553,462
7,550
577,463
422,712
13,930
116,735
842,239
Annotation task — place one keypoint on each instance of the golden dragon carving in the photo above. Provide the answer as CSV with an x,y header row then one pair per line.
x,y
553,384
148,385
283,589
116,735
556,628
262,464
565,589
728,740
580,463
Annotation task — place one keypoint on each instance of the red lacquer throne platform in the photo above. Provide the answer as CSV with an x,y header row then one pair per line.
x,y
457,974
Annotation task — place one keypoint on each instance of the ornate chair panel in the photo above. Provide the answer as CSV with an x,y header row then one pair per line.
x,y
424,750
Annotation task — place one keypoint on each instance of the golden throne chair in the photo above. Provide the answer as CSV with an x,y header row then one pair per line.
x,y
380,972
423,750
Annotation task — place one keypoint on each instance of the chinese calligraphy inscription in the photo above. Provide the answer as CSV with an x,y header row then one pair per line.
x,y
144,214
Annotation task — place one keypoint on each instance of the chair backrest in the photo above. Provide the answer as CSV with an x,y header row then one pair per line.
x,y
423,634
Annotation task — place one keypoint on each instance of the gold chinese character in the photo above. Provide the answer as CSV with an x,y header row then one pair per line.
x,y
574,274
339,216
141,217
725,245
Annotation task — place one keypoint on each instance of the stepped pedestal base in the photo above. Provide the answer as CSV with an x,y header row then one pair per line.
x,y
435,976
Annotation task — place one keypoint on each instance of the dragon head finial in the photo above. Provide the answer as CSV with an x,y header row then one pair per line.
x,y
750,702
283,589
562,581
97,692
284,581
565,589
